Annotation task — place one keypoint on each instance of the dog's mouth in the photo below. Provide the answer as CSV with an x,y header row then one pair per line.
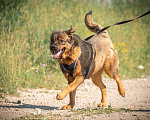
x,y
58,53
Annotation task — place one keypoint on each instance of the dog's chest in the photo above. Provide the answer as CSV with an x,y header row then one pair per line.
x,y
70,68
85,68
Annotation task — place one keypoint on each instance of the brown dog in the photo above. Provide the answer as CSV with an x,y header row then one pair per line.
x,y
84,59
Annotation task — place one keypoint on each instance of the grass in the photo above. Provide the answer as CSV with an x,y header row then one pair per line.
x,y
97,111
26,26
34,117
39,117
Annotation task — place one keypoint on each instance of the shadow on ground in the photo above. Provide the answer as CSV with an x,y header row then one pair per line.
x,y
30,106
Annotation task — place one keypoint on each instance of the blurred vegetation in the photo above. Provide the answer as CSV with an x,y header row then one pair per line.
x,y
26,26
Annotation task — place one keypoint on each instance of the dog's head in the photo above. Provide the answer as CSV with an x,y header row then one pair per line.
x,y
61,42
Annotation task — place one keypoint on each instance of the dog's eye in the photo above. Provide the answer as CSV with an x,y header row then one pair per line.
x,y
61,41
53,39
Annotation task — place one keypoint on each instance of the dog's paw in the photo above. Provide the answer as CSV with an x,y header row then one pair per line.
x,y
102,104
60,96
68,107
122,92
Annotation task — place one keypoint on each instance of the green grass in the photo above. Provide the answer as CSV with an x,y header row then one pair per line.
x,y
26,26
35,117
97,111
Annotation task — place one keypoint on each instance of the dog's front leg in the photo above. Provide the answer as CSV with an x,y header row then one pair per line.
x,y
72,95
72,100
71,87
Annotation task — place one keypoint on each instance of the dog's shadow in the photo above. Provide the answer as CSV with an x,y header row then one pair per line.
x,y
30,106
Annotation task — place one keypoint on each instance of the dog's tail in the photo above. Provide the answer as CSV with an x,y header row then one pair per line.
x,y
91,25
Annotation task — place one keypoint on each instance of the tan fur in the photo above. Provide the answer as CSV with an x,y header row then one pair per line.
x,y
73,56
91,25
105,58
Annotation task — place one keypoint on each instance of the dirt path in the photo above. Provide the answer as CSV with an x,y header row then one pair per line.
x,y
41,101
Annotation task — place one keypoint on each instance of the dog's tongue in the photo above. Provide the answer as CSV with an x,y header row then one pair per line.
x,y
56,54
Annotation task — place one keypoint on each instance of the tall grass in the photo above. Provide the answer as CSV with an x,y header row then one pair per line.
x,y
26,25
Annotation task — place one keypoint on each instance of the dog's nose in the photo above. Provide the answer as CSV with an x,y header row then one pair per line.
x,y
53,47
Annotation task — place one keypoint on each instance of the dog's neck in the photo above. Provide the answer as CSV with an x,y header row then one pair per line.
x,y
70,57
73,54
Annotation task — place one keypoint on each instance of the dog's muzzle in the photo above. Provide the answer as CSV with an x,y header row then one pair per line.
x,y
53,47
56,52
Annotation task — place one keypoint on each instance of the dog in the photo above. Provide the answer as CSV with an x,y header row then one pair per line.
x,y
83,59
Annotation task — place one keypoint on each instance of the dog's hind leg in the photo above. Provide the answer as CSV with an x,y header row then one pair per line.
x,y
116,76
111,69
120,85
97,80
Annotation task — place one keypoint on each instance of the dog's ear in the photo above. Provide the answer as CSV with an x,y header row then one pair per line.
x,y
71,31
